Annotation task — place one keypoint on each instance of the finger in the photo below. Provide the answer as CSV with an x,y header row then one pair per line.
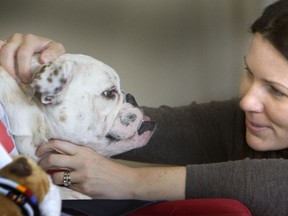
x,y
58,178
8,52
60,146
51,52
2,43
33,44
24,57
58,162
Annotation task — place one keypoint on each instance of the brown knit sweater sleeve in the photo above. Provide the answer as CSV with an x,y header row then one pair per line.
x,y
197,133
260,184
208,138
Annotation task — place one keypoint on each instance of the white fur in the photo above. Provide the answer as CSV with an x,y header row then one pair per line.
x,y
51,204
75,104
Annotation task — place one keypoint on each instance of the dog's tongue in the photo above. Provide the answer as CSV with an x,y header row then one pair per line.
x,y
146,125
146,118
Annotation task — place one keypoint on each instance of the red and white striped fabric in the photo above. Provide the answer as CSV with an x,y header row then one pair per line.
x,y
5,138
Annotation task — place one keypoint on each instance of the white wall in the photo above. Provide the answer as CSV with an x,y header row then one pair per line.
x,y
267,2
166,51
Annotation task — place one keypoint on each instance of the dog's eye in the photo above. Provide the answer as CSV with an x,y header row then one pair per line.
x,y
110,93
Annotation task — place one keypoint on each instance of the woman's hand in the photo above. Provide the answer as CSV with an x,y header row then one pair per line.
x,y
16,53
90,173
100,177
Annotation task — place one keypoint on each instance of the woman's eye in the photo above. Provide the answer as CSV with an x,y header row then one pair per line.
x,y
276,92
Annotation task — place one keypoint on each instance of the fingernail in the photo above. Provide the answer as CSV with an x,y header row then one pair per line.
x,y
46,58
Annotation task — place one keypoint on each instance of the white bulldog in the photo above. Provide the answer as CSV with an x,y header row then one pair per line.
x,y
75,98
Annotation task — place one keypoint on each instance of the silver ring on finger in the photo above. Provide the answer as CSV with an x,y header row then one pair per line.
x,y
67,179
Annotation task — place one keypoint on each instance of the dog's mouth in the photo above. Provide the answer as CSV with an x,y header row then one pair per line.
x,y
146,125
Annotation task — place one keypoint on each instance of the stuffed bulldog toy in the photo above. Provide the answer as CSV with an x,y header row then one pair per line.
x,y
25,189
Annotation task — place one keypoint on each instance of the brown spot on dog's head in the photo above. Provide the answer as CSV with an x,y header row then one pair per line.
x,y
62,117
21,167
56,72
63,81
49,79
37,76
42,69
58,89
37,88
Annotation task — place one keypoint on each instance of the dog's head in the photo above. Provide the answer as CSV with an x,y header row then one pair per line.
x,y
83,103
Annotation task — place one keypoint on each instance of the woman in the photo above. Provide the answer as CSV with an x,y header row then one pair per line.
x,y
215,139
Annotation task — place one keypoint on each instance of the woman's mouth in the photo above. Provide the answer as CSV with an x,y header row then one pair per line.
x,y
255,127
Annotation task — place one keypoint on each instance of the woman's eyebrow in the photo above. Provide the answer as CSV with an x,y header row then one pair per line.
x,y
276,83
265,80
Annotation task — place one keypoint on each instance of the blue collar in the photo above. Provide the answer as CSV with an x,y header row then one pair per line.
x,y
20,195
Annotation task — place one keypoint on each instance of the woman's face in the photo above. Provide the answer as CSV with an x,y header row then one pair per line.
x,y
264,91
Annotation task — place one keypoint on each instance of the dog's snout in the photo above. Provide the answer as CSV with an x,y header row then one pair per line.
x,y
130,99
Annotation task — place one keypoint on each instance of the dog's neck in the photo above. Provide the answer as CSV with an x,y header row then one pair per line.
x,y
24,115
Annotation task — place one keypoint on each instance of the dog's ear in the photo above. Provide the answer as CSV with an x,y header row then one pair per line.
x,y
50,80
20,167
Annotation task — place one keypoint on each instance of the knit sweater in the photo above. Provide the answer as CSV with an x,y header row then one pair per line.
x,y
209,139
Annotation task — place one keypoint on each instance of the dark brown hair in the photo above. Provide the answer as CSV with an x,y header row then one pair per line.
x,y
273,25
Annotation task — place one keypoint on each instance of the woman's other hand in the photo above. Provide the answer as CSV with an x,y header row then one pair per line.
x,y
16,53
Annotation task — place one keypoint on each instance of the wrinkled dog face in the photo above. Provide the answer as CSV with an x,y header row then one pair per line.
x,y
83,103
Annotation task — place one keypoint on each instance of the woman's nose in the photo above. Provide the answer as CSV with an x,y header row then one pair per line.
x,y
252,100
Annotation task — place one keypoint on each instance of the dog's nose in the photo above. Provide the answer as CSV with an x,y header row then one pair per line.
x,y
130,99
